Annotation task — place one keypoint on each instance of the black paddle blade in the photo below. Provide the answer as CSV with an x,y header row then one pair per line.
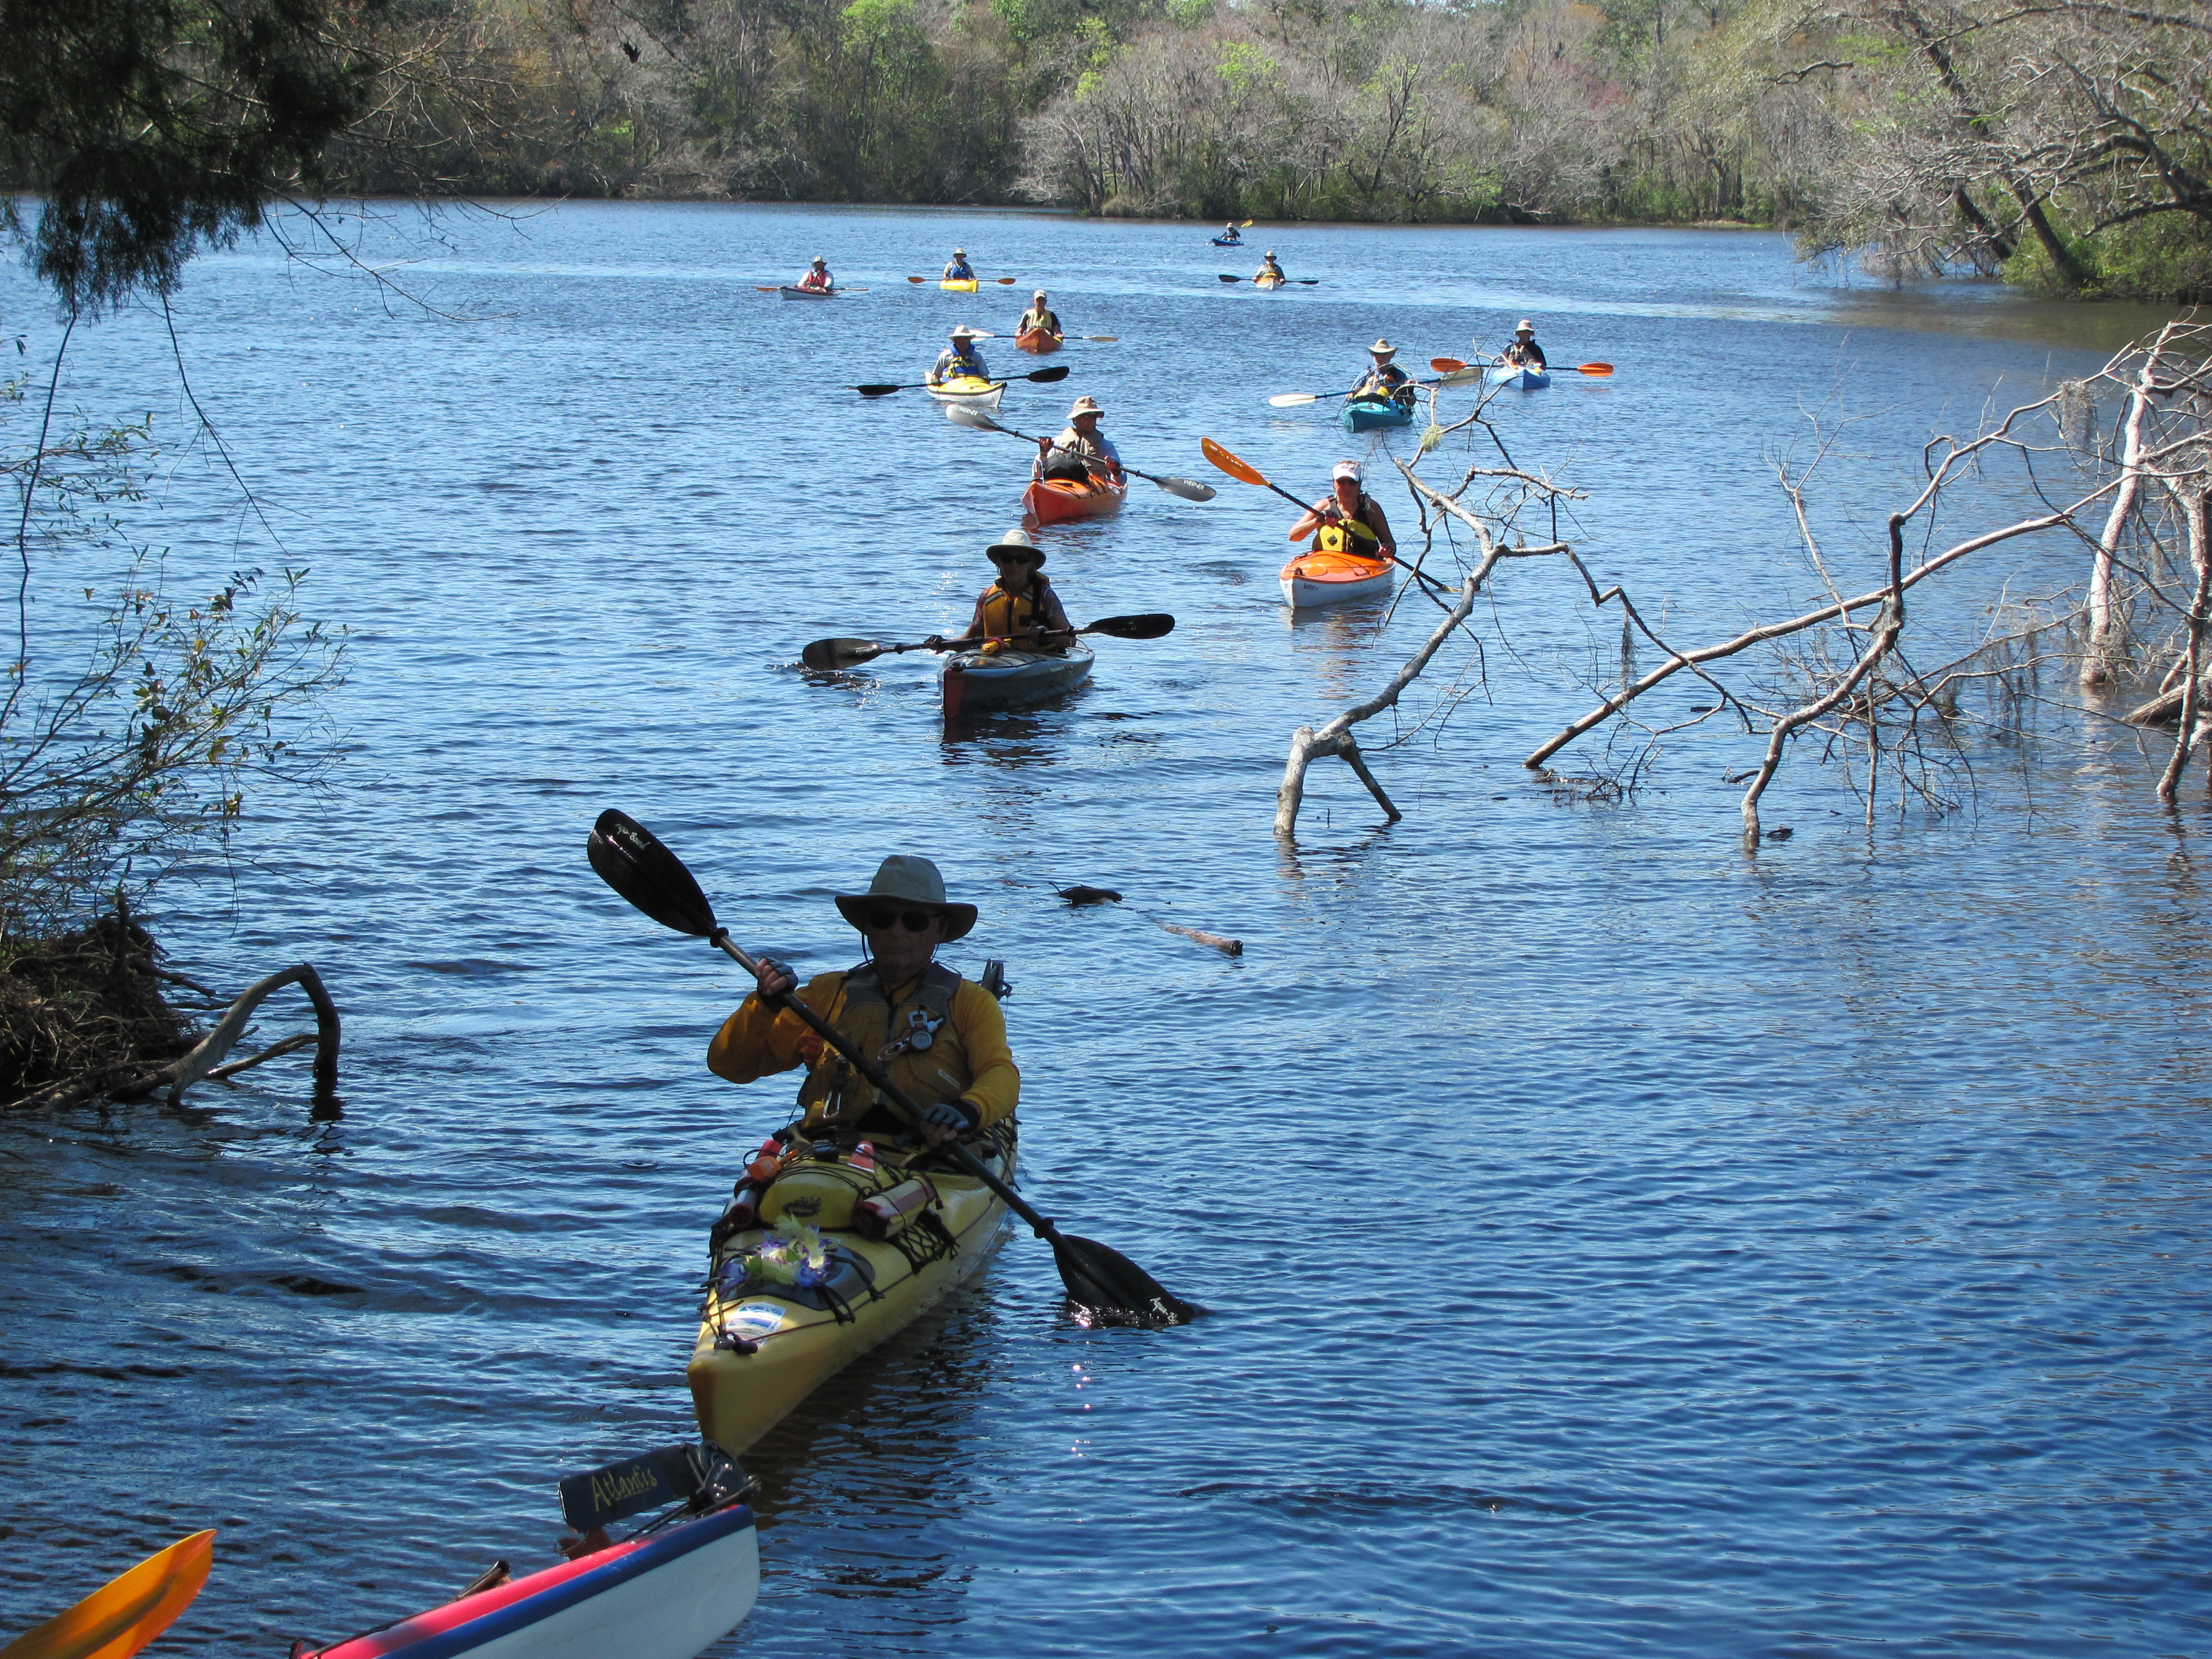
x,y
1057,372
1107,1288
1149,626
878,390
839,653
1227,277
631,861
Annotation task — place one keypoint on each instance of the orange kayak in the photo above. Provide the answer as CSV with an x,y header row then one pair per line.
x,y
1050,500
1318,579
1037,340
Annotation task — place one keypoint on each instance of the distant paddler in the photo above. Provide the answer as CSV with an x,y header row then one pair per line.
x,y
1385,381
1269,271
1231,236
941,1038
1347,519
957,268
818,279
1040,315
1523,352
1081,453
960,359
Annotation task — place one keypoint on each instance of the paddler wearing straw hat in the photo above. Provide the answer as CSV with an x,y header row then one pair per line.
x,y
956,269
1385,380
1080,452
1524,352
942,1038
818,277
1020,611
1269,269
1347,519
959,358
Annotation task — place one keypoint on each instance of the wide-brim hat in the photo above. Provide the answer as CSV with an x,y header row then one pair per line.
x,y
1085,404
1527,327
1383,349
964,333
908,880
820,260
1018,541
959,253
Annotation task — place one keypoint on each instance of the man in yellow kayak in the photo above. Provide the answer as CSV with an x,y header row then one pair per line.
x,y
960,358
1347,519
1385,380
1021,611
956,269
818,277
1081,453
1039,315
1268,269
942,1038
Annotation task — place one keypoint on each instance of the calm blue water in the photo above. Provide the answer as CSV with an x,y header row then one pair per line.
x,y
1618,1244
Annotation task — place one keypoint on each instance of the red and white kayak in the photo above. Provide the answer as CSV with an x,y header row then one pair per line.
x,y
666,1595
1050,500
1312,580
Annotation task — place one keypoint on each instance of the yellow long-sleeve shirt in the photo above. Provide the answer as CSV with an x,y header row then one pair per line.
x,y
968,1059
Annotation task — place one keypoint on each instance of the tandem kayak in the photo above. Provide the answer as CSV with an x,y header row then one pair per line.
x,y
1528,379
667,1593
792,1302
959,284
1313,579
796,292
1365,414
969,389
1038,340
974,682
1048,501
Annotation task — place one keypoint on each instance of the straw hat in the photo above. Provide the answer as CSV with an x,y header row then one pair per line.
x,y
964,333
820,260
1085,405
1016,541
907,881
959,253
1039,294
1383,348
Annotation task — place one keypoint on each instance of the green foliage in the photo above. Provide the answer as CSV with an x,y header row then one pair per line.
x,y
2166,258
152,128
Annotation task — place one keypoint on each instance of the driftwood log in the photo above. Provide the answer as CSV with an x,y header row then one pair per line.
x,y
205,1060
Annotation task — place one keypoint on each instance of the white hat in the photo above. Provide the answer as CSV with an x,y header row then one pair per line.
x,y
1346,470
964,333
959,253
1383,348
1039,294
1527,327
820,260
1085,405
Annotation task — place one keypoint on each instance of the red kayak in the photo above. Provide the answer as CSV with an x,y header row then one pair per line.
x,y
1037,340
1051,500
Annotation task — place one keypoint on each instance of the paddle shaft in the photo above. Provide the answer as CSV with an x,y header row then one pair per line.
x,y
894,1096
1067,449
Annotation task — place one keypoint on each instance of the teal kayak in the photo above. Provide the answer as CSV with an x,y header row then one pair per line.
x,y
1528,379
1365,414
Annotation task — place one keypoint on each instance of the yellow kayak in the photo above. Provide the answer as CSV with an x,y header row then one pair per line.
x,y
969,389
959,284
794,1299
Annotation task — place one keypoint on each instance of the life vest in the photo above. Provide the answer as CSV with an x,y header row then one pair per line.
x,y
1006,613
915,1042
1047,320
957,361
1358,537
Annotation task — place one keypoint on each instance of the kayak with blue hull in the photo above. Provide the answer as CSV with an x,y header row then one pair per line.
x,y
667,1594
1366,414
975,683
1528,379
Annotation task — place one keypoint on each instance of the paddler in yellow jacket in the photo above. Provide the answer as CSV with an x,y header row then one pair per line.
x,y
1020,612
942,1038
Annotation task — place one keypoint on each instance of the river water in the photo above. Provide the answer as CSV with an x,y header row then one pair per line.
x,y
1616,1243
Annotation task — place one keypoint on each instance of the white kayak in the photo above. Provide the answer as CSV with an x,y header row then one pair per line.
x,y
976,680
1313,579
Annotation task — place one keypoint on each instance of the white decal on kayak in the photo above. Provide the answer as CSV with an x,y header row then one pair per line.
x,y
755,1318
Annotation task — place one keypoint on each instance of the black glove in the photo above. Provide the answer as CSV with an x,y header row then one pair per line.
x,y
957,1116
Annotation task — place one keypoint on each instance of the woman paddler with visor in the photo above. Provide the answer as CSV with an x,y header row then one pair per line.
x,y
942,1038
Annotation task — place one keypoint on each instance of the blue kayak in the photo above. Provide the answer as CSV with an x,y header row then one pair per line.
x,y
1528,379
1365,414
1228,241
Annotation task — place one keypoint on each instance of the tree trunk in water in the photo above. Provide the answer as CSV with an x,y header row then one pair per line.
x,y
2107,639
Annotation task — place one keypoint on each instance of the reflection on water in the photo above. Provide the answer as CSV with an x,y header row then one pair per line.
x,y
1618,1243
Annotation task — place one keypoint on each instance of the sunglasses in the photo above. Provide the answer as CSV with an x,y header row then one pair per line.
x,y
1013,558
914,921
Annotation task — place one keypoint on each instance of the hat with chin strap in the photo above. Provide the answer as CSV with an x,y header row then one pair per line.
x,y
903,879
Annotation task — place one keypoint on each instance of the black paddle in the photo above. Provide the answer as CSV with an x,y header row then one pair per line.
x,y
1057,372
636,865
851,653
1189,489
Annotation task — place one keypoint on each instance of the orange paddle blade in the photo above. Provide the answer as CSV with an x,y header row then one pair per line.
x,y
1008,281
1597,369
1242,471
1446,365
917,279
120,1618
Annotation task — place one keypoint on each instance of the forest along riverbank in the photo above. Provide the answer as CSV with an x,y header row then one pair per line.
x,y
1612,1241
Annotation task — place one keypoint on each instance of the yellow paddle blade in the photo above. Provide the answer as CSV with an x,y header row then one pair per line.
x,y
1242,471
118,1619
